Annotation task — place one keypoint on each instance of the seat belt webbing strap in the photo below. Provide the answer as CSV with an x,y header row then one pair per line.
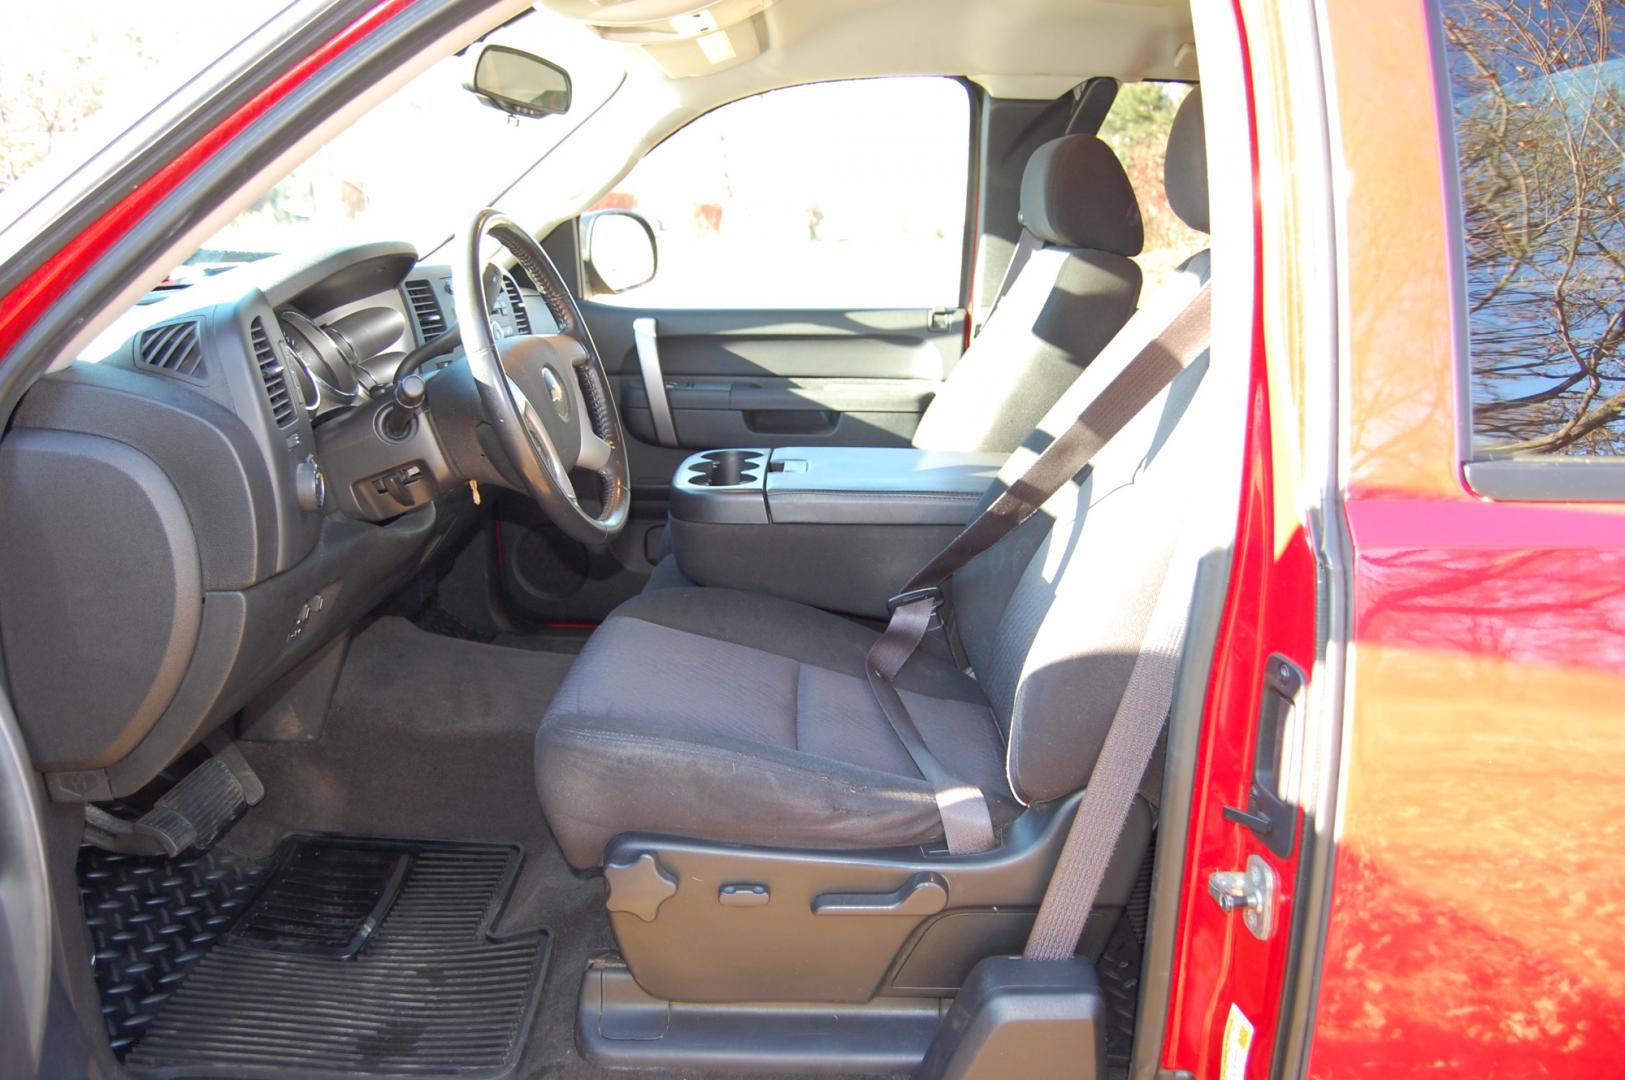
x,y
1142,379
1130,742
966,823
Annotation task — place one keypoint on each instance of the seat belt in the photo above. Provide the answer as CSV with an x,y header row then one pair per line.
x,y
966,823
1130,742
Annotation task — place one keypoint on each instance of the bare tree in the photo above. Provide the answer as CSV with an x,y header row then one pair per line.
x,y
1539,94
51,96
35,112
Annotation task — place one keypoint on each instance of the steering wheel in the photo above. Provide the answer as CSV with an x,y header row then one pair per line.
x,y
546,395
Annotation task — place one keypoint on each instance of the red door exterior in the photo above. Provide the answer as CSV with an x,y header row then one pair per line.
x,y
1479,904
1477,899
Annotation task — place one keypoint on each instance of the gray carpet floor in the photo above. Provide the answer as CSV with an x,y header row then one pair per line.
x,y
431,737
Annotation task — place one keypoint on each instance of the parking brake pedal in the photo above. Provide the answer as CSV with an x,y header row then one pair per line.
x,y
192,814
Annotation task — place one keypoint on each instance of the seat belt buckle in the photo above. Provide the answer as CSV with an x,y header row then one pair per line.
x,y
932,593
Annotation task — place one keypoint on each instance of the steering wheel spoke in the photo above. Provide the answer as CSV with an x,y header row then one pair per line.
x,y
595,453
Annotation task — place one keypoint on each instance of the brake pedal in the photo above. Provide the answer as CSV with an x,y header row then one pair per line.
x,y
192,814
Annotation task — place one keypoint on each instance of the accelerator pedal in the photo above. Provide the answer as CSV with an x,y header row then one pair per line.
x,y
189,816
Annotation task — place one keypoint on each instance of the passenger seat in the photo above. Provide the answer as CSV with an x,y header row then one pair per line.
x,y
737,717
1071,287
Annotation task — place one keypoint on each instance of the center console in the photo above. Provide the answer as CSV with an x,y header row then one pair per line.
x,y
841,528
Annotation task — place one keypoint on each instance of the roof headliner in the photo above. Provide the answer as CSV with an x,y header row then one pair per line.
x,y
1015,48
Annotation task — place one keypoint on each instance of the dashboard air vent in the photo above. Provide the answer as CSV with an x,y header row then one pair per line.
x,y
521,317
426,309
176,349
273,375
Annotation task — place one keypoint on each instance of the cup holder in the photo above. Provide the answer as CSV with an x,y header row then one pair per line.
x,y
727,468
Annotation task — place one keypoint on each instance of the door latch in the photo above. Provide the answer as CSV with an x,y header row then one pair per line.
x,y
1254,892
944,318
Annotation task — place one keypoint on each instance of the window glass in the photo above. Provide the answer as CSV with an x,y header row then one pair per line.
x,y
832,195
1136,129
1538,101
64,64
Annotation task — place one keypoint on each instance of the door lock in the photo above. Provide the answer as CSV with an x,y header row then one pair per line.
x,y
1254,892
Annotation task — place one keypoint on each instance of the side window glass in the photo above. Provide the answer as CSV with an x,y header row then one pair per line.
x,y
1537,89
1136,129
837,195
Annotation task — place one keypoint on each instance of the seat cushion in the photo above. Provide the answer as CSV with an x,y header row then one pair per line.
x,y
730,716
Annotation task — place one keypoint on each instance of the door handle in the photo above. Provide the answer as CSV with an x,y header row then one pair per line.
x,y
654,380
920,895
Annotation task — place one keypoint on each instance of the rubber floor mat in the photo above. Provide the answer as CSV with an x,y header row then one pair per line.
x,y
253,979
325,899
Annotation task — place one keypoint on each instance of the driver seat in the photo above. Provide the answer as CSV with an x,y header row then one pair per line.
x,y
734,717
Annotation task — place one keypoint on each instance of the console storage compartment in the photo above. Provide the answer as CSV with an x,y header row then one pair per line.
x,y
837,527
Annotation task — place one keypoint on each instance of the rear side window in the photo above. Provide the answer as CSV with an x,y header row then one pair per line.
x,y
1137,129
1537,92
836,195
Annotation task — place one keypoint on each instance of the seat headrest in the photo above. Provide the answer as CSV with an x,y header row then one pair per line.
x,y
1076,194
1184,170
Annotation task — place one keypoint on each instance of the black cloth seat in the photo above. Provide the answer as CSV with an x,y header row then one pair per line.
x,y
737,717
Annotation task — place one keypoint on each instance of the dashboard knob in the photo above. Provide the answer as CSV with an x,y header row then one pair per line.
x,y
309,485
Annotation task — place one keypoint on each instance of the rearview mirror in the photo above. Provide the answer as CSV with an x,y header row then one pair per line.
x,y
518,83
617,250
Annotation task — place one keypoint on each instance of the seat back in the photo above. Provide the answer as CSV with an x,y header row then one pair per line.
x,y
1071,286
1052,616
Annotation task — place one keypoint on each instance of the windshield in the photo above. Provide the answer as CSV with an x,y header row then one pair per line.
x,y
414,167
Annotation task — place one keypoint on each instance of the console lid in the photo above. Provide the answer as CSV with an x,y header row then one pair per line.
x,y
851,485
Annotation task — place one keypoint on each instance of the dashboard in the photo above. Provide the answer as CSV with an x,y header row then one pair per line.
x,y
199,514
348,352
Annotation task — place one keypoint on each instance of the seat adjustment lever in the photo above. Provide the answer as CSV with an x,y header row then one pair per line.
x,y
920,895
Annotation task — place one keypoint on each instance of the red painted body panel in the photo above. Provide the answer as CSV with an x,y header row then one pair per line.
x,y
1478,903
24,305
1269,608
1480,892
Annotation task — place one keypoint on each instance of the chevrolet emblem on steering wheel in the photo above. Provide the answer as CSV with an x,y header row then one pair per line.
x,y
555,393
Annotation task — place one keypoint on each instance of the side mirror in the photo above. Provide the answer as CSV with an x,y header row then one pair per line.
x,y
617,250
518,83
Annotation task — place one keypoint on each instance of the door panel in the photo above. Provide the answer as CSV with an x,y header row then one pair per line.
x,y
779,378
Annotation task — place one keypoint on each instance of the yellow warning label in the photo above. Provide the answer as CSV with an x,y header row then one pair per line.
x,y
1238,1043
